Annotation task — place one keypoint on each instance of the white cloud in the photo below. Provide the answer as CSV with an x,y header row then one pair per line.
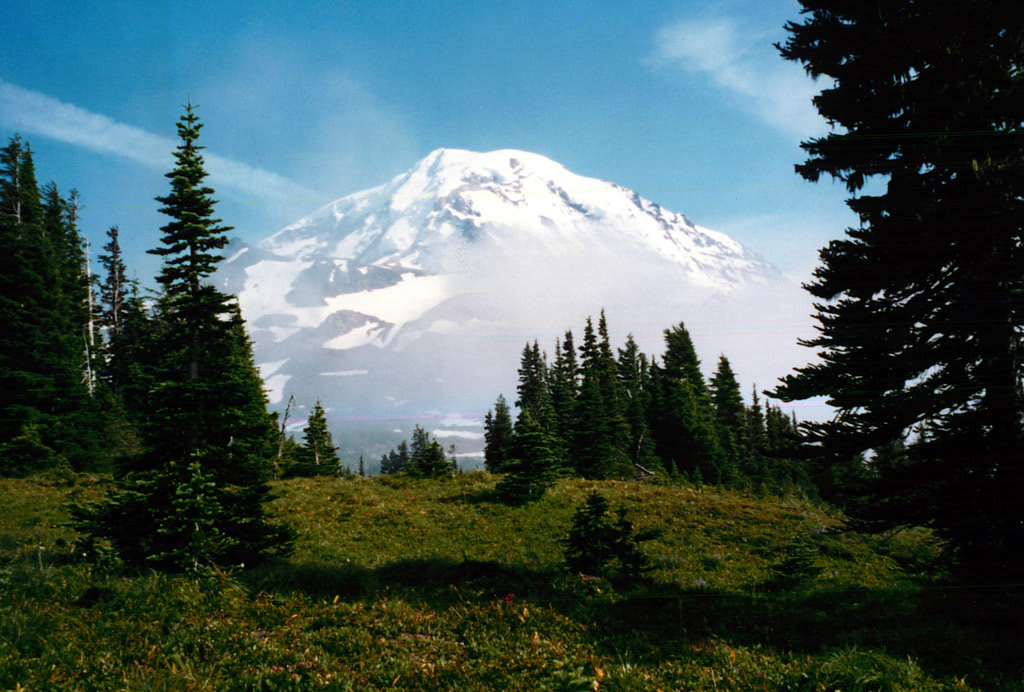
x,y
744,64
34,113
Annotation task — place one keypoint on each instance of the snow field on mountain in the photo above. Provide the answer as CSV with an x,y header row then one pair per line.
x,y
414,298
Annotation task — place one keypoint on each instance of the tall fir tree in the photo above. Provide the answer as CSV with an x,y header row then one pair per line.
x,y
24,294
426,456
498,432
534,397
114,287
730,418
534,464
682,417
920,307
318,455
755,467
196,496
45,416
591,448
564,387
618,431
635,383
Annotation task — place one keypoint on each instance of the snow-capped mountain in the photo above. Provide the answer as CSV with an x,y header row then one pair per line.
x,y
414,298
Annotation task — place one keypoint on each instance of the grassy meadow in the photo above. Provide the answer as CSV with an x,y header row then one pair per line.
x,y
407,584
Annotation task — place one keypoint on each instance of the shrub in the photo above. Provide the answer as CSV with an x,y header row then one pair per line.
x,y
599,545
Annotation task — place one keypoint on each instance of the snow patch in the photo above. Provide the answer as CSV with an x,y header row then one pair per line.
x,y
459,434
268,369
275,387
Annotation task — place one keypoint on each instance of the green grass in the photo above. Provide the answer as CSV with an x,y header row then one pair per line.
x,y
414,584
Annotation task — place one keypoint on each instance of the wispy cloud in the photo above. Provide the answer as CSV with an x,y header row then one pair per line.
x,y
31,112
742,62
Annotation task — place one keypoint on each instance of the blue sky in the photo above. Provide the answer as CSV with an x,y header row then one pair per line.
x,y
685,102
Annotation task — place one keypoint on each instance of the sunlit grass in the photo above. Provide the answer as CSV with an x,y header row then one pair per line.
x,y
419,584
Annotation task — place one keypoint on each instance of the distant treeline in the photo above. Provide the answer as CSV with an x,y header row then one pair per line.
x,y
598,413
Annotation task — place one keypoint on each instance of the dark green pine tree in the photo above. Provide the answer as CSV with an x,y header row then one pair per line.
x,y
682,416
532,390
600,447
426,456
395,461
635,383
498,432
64,267
80,420
130,344
920,308
534,464
114,288
618,431
597,545
24,293
196,495
730,419
564,387
45,415
591,448
755,468
318,456
784,471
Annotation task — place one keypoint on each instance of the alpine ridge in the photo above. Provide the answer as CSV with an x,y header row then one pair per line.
x,y
412,299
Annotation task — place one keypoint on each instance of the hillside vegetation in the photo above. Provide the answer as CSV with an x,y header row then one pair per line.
x,y
399,583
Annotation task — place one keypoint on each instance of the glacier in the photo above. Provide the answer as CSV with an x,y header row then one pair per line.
x,y
428,286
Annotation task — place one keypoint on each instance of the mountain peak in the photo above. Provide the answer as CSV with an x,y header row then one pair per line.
x,y
509,201
416,294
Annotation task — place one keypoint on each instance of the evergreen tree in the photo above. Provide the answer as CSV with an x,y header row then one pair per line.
x,y
634,383
433,463
131,352
618,432
682,416
590,449
196,496
395,461
318,456
426,456
598,545
534,398
730,418
45,413
564,387
498,437
24,293
920,307
754,468
114,288
601,446
533,465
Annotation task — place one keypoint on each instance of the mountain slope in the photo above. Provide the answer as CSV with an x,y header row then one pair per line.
x,y
413,298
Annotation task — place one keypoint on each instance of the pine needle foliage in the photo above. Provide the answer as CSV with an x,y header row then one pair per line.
x,y
195,497
921,307
599,545
318,455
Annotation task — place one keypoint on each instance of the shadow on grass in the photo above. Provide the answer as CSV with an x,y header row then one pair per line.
x,y
477,496
435,582
949,630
